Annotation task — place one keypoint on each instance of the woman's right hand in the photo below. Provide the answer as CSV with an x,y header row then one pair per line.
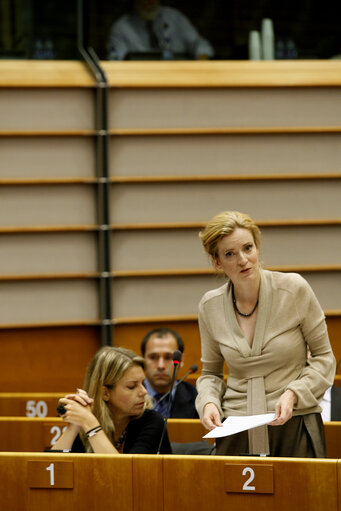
x,y
78,407
211,417
77,413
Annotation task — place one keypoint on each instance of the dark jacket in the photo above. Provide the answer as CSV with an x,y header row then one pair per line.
x,y
183,405
335,412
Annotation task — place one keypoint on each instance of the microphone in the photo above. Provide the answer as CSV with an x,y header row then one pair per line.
x,y
193,369
176,361
177,357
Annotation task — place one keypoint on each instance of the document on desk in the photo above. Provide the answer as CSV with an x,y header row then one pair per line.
x,y
233,425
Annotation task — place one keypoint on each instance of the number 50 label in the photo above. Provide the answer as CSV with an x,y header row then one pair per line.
x,y
249,478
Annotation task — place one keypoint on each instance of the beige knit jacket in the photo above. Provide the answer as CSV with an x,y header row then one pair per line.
x,y
289,318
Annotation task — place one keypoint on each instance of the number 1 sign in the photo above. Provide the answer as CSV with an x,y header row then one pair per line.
x,y
50,474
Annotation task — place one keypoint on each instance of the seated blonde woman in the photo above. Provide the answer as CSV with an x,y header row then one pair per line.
x,y
112,414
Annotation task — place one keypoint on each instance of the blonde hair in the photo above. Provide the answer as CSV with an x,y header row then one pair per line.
x,y
106,369
224,224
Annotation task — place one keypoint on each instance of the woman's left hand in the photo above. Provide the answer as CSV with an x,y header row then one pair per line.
x,y
81,396
84,399
284,408
76,413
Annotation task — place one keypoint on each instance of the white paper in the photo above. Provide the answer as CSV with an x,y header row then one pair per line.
x,y
235,424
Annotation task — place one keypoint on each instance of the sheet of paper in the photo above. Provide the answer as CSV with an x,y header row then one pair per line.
x,y
233,425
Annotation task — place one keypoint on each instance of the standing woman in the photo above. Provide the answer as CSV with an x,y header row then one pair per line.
x,y
111,414
260,324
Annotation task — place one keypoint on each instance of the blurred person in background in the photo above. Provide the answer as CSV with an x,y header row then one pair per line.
x,y
149,28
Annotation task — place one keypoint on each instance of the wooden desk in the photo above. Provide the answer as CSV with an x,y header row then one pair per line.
x,y
337,380
201,483
98,482
166,483
332,431
23,434
81,481
191,430
29,404
186,430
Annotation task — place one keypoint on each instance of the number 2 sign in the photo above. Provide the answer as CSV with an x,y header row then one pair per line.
x,y
249,478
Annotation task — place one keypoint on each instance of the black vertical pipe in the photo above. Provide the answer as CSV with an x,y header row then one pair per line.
x,y
103,183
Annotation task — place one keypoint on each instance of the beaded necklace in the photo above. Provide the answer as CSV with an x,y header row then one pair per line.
x,y
118,444
238,311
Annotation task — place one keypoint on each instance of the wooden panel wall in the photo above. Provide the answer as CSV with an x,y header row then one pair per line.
x,y
187,140
54,359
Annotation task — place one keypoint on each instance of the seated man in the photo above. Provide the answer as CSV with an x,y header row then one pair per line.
x,y
157,348
149,28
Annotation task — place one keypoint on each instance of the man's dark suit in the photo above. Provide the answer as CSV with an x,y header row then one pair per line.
x,y
183,406
335,411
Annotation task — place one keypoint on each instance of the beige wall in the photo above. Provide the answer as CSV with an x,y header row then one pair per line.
x,y
178,155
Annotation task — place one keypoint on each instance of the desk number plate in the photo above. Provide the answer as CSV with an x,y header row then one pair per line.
x,y
241,478
50,474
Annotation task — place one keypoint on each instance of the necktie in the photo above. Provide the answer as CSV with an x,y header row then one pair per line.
x,y
161,407
153,41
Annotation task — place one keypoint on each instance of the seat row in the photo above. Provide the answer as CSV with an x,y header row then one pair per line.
x,y
23,434
44,404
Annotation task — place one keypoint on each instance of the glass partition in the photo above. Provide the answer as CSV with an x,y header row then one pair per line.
x,y
155,29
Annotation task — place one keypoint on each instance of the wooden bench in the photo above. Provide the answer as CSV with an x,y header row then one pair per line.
x,y
23,434
191,430
29,404
33,404
33,481
43,404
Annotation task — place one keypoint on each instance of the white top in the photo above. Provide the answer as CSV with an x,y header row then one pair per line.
x,y
326,404
173,30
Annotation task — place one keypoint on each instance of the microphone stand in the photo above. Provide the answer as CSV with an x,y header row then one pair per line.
x,y
176,361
